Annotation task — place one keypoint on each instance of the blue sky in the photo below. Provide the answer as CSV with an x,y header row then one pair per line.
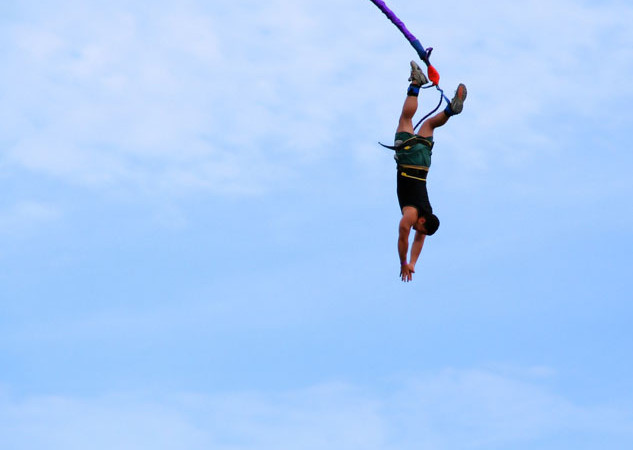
x,y
198,228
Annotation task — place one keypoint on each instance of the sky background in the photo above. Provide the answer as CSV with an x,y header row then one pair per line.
x,y
198,227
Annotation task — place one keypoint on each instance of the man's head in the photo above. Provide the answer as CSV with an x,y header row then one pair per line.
x,y
427,224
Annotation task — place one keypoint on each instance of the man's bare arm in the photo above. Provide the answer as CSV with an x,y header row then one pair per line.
x,y
409,216
416,247
406,272
403,240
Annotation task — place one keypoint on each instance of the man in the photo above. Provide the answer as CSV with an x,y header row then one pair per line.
x,y
413,155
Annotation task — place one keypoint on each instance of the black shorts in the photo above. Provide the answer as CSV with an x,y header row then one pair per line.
x,y
412,190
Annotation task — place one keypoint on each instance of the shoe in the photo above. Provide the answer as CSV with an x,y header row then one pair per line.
x,y
457,104
417,77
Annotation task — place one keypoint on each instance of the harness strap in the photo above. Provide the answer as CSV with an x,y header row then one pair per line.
x,y
415,173
406,175
442,97
406,145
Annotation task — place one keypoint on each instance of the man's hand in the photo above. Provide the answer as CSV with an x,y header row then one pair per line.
x,y
406,272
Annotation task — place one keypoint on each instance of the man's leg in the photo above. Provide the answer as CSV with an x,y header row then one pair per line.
x,y
405,124
455,107
430,124
410,107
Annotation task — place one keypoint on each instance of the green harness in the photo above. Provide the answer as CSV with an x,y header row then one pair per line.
x,y
412,150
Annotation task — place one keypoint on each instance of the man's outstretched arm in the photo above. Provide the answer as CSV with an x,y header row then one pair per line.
x,y
403,241
416,247
409,216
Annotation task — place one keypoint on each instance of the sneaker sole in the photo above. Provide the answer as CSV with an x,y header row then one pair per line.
x,y
460,95
421,78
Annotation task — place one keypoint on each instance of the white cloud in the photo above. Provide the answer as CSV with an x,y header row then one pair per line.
x,y
241,99
540,75
166,102
58,422
451,409
19,217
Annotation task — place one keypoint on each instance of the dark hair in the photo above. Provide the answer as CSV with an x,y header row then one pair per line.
x,y
431,224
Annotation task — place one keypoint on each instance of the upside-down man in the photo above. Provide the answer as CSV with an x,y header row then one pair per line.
x,y
413,156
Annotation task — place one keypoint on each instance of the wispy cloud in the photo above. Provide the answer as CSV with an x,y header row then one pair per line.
x,y
166,102
447,410
20,217
196,97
